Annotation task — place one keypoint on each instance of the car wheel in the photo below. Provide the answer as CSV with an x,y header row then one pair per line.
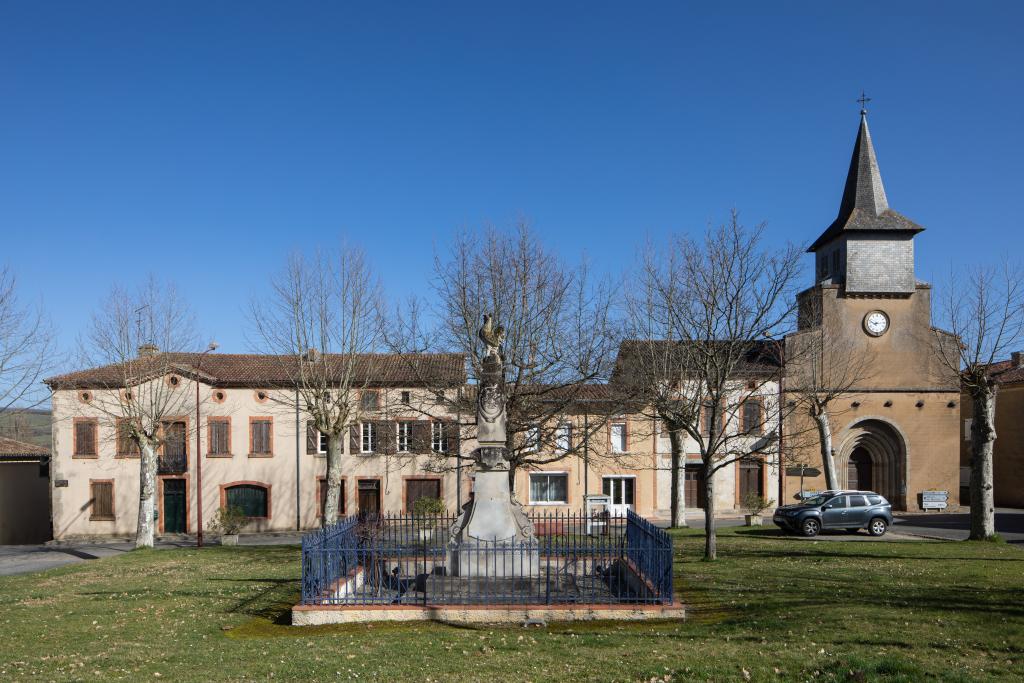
x,y
877,527
852,529
810,527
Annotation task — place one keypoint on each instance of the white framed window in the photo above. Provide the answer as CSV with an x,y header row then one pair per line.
x,y
403,440
532,444
563,437
549,488
406,398
617,433
321,440
368,432
438,437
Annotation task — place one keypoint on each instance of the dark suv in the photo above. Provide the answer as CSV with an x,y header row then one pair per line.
x,y
849,510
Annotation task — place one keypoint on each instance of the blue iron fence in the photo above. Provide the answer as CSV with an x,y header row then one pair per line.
x,y
404,559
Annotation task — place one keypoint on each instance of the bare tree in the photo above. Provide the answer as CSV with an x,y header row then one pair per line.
x,y
560,339
138,338
27,348
984,308
321,320
821,369
715,305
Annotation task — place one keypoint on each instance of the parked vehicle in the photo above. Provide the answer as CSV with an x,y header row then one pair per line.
x,y
849,510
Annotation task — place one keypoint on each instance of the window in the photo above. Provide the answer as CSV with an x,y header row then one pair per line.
x,y
563,437
252,499
618,437
532,439
858,502
406,398
621,490
368,433
261,432
369,400
836,503
127,447
438,437
219,435
322,489
875,500
403,442
321,442
85,438
547,488
705,420
102,493
752,423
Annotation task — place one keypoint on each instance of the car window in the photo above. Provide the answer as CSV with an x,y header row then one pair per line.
x,y
857,502
837,502
875,500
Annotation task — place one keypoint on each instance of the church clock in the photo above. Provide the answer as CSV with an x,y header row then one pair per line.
x,y
876,323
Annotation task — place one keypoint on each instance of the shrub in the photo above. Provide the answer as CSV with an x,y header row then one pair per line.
x,y
755,504
229,520
428,507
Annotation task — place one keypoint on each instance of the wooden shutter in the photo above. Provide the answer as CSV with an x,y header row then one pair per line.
x,y
312,439
386,435
260,437
251,499
85,438
102,500
421,436
354,439
420,488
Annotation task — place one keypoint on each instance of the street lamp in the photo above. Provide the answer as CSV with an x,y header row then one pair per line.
x,y
199,452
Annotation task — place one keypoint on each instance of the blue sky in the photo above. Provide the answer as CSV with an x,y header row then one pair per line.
x,y
204,141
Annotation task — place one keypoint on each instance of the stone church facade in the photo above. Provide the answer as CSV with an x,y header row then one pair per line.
x,y
865,335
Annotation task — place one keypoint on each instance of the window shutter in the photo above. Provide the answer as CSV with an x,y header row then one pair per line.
x,y
386,435
421,436
102,500
354,439
312,438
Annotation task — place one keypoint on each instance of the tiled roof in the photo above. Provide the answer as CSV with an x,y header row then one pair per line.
x,y
14,448
1007,371
763,358
261,370
864,206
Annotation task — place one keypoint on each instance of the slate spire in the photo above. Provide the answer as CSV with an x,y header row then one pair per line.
x,y
864,189
864,206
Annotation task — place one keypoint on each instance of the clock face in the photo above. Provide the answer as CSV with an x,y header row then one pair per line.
x,y
876,323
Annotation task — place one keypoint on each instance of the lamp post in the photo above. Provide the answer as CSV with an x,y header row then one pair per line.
x,y
199,452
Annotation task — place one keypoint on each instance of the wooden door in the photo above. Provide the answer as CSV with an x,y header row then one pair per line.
x,y
369,497
750,480
420,488
694,487
858,471
174,506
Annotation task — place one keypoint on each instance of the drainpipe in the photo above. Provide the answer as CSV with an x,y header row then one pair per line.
x,y
199,452
586,454
298,518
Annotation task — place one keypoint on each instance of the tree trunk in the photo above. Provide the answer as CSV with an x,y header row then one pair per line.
x,y
334,440
147,495
828,463
710,536
678,497
983,436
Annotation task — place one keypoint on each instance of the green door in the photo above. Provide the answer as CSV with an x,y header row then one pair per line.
x,y
174,506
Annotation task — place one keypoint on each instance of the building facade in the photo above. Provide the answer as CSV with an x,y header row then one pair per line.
x,y
1008,449
866,335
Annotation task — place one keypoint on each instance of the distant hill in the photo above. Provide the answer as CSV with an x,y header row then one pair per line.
x,y
32,426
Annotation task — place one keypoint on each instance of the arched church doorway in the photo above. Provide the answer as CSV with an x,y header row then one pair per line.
x,y
858,472
873,457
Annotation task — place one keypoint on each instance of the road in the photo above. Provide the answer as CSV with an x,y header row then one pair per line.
x,y
954,526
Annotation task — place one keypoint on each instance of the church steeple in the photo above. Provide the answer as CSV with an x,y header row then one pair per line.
x,y
858,249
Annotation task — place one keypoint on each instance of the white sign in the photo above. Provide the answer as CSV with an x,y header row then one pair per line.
x,y
934,500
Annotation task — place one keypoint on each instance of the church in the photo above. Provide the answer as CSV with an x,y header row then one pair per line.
x,y
865,341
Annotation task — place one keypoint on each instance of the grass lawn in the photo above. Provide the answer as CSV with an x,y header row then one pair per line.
x,y
772,608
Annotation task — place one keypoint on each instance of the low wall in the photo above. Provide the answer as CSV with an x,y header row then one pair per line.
x,y
314,615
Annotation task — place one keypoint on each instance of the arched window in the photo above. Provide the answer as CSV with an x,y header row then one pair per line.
x,y
252,499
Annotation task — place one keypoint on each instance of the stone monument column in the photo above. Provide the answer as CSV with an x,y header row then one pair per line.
x,y
493,537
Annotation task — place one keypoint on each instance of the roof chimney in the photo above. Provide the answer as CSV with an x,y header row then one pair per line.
x,y
1015,359
148,350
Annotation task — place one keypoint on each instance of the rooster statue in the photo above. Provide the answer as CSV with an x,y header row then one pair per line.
x,y
491,336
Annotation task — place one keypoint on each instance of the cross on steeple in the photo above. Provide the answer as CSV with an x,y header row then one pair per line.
x,y
863,99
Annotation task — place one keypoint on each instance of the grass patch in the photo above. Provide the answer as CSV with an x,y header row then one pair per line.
x,y
772,608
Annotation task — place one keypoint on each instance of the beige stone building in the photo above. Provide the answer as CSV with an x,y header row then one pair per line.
x,y
1008,450
896,429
